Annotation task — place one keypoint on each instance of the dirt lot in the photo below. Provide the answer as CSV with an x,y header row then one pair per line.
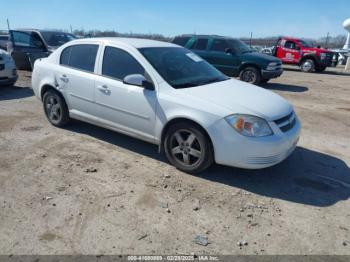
x,y
87,190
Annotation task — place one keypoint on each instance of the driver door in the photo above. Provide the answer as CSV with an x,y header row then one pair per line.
x,y
128,108
25,48
291,52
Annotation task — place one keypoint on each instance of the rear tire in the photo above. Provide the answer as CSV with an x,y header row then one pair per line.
x,y
250,75
55,108
307,66
188,148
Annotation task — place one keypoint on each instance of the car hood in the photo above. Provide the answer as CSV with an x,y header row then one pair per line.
x,y
316,50
235,96
259,57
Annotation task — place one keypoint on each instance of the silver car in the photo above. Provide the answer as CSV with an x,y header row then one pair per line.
x,y
8,71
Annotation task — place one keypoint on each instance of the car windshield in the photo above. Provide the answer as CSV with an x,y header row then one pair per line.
x,y
306,43
239,46
57,38
181,68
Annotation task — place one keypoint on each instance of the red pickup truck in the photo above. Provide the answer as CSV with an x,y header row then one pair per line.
x,y
299,52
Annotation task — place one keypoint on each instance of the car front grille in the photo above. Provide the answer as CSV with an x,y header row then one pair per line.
x,y
286,123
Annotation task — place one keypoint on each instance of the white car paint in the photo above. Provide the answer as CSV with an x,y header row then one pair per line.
x,y
144,113
8,72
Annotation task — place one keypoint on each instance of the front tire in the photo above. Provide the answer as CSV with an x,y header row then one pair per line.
x,y
250,75
188,148
55,108
307,66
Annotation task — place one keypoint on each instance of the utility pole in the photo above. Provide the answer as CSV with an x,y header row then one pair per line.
x,y
326,46
251,38
8,24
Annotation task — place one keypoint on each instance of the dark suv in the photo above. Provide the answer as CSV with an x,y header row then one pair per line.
x,y
233,57
27,45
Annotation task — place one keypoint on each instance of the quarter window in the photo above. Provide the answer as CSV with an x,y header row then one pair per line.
x,y
219,45
81,57
118,64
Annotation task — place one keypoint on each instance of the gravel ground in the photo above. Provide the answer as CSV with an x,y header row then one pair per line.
x,y
84,189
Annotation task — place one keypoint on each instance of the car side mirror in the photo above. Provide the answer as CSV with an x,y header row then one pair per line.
x,y
229,51
138,80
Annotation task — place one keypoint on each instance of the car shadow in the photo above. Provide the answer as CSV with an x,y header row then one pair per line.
x,y
285,87
306,177
15,92
326,72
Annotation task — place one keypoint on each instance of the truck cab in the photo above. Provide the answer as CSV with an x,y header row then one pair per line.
x,y
296,51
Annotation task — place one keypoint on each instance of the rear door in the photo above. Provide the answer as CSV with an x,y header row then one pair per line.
x,y
217,56
200,47
75,77
25,47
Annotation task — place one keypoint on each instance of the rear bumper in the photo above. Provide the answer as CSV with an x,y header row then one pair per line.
x,y
8,74
266,74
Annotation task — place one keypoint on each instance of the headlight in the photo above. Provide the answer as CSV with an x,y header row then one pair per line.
x,y
272,66
248,125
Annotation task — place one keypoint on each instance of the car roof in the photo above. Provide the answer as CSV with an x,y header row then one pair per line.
x,y
199,36
38,30
135,42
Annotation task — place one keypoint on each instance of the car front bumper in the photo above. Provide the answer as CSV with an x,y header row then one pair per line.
x,y
233,149
267,74
8,73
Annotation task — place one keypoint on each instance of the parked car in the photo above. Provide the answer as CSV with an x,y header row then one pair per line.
x,y
25,46
3,42
233,57
8,72
167,95
299,52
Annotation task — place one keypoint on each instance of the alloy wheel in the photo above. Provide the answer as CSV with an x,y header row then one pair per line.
x,y
186,147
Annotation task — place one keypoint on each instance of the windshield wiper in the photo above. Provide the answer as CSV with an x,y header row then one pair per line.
x,y
185,85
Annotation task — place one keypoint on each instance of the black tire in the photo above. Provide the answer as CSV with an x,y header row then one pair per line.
x,y
250,75
192,151
307,66
264,81
55,108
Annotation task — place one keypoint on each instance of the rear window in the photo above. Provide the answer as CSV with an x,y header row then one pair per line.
x,y
182,41
81,57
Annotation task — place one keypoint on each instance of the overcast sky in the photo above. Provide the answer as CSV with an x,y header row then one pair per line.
x,y
303,18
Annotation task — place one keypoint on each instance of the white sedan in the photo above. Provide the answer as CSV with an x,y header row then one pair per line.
x,y
165,94
8,71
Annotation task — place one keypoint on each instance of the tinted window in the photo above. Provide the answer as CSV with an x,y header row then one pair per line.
x,y
24,39
82,57
4,37
118,64
65,56
181,40
219,45
201,44
57,38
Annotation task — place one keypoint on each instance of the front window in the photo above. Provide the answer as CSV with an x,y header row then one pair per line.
x,y
57,38
239,46
181,68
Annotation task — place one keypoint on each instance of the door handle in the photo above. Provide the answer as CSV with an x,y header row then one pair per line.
x,y
103,88
64,78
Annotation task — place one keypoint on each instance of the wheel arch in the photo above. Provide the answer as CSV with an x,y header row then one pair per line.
x,y
249,64
183,120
